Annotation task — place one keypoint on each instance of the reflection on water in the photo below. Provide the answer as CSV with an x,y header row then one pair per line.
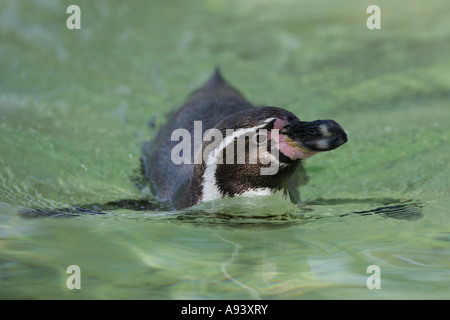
x,y
410,211
237,212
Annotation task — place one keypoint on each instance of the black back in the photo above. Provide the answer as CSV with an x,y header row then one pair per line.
x,y
215,100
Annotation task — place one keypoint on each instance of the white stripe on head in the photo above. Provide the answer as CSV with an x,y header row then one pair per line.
x,y
210,190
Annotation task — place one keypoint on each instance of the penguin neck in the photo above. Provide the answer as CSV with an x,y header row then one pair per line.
x,y
229,180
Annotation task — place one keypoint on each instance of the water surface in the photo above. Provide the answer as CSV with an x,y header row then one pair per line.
x,y
75,107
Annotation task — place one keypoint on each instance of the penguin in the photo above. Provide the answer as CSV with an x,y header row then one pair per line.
x,y
273,143
287,141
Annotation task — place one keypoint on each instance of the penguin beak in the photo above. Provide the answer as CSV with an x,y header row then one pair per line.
x,y
314,136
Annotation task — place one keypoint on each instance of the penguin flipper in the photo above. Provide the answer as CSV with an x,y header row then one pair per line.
x,y
299,178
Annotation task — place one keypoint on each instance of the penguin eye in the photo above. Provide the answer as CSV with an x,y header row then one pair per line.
x,y
260,138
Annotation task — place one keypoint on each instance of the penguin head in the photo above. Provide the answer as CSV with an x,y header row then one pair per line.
x,y
256,151
299,140
283,131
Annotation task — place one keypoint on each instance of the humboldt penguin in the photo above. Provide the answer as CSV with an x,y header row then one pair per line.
x,y
211,168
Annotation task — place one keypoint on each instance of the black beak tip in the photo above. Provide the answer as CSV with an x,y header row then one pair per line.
x,y
326,135
344,137
338,140
338,132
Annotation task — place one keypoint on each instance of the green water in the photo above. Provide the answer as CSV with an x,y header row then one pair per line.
x,y
74,111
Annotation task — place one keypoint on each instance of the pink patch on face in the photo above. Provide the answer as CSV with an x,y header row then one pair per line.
x,y
287,146
293,152
280,124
